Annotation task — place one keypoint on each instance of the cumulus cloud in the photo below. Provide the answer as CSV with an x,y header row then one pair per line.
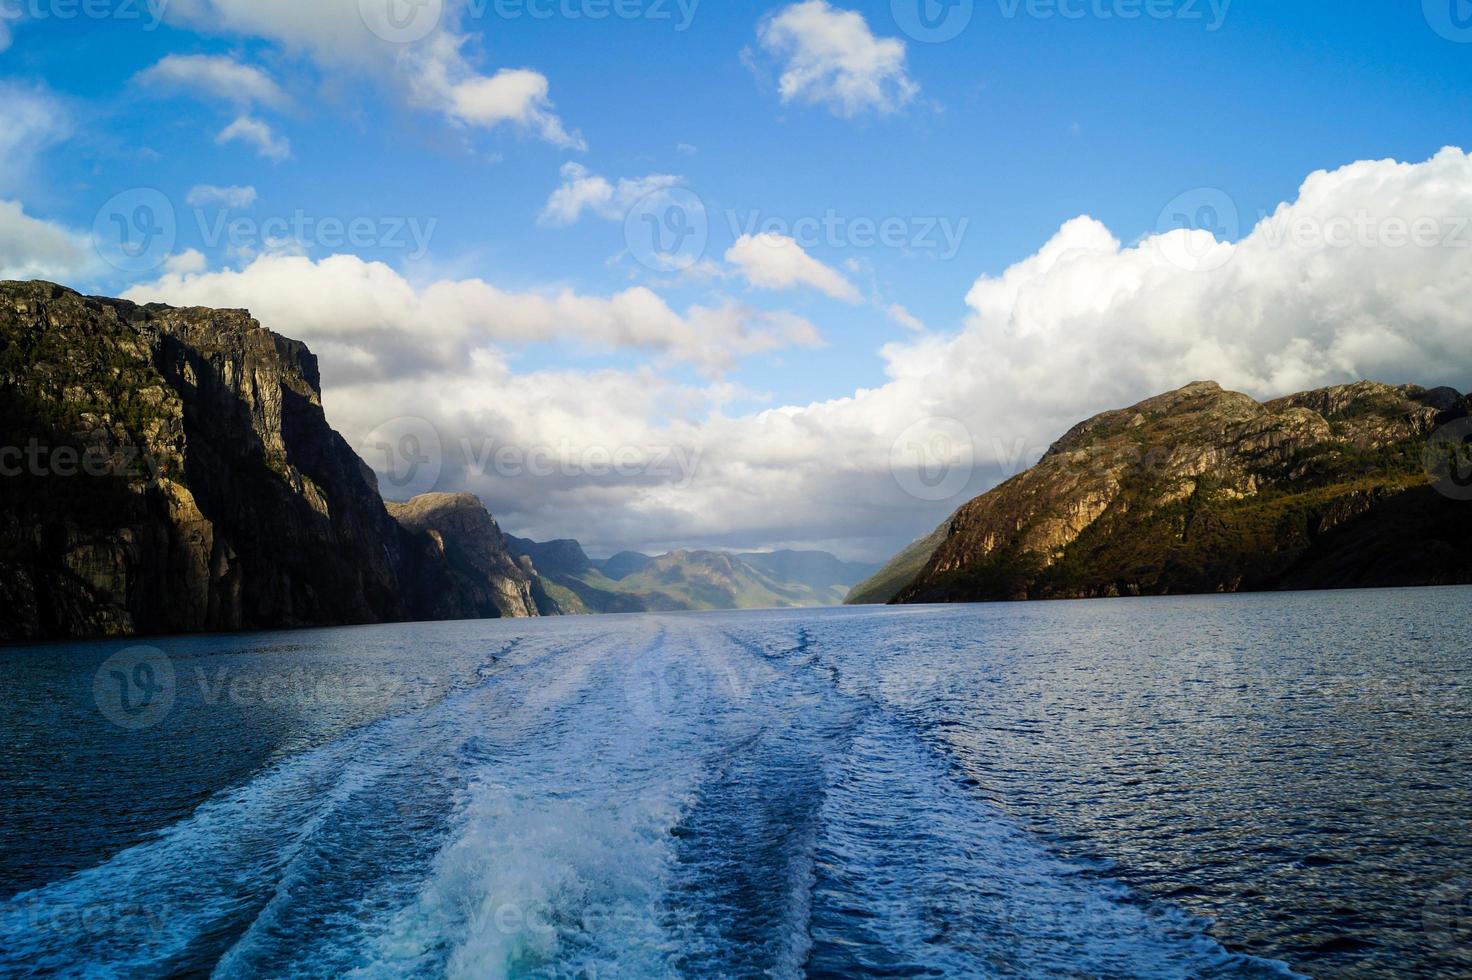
x,y
830,57
443,79
429,65
219,76
772,261
258,134
190,260
31,121
369,321
34,249
1329,288
582,190
1365,274
203,195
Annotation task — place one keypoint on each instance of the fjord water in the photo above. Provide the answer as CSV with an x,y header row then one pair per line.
x,y
1216,786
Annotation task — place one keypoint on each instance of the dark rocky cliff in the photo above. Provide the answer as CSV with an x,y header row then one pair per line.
x,y
1206,490
171,470
466,569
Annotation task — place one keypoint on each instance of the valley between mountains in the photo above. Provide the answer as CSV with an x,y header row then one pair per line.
x,y
173,471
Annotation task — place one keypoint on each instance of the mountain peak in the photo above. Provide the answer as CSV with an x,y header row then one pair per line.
x,y
1205,489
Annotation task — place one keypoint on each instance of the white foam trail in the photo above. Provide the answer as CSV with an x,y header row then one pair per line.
x,y
207,870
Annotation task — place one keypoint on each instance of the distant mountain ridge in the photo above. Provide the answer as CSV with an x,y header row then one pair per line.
x,y
687,580
1208,490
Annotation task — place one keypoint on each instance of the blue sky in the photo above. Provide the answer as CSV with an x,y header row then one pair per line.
x,y
1023,121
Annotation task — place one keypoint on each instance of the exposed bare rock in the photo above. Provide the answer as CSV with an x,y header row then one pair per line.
x,y
468,573
1203,489
171,470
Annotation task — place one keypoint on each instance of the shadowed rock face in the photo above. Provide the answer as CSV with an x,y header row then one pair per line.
x,y
1206,490
468,573
211,492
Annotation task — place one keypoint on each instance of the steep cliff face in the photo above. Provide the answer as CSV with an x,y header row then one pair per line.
x,y
171,470
1206,490
464,568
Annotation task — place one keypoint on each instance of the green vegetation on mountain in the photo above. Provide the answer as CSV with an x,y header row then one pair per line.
x,y
1206,490
898,572
171,470
687,580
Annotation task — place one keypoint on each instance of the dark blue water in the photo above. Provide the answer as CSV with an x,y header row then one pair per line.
x,y
1228,786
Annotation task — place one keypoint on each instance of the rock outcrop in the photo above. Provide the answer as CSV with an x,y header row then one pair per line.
x,y
464,568
171,470
1206,490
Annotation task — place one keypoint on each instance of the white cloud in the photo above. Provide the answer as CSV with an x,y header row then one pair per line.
x,y
772,261
831,58
31,121
203,195
1088,323
34,249
215,75
256,133
433,71
582,190
904,317
187,262
514,95
381,325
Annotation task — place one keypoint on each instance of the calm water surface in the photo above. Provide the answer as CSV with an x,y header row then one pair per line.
x,y
1238,786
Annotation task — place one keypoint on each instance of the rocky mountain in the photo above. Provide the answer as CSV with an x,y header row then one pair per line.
x,y
465,568
687,580
624,564
1207,490
892,578
171,470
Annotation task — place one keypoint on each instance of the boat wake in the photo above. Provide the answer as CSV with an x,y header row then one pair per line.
x,y
640,796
